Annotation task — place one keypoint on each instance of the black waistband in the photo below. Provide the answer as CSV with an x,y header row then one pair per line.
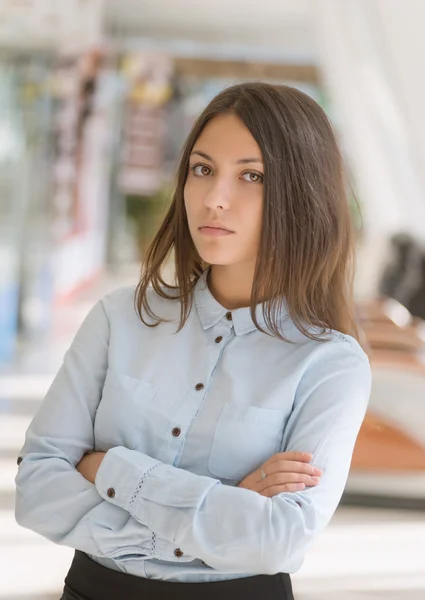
x,y
89,580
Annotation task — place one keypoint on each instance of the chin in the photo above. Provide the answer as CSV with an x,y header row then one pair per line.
x,y
216,258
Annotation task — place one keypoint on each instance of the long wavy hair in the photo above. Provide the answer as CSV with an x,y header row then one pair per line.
x,y
306,252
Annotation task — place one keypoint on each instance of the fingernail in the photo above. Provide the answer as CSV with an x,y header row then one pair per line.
x,y
315,479
317,471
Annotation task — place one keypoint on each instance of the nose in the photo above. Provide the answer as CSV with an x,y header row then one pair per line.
x,y
218,195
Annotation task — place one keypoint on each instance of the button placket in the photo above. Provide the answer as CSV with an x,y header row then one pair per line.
x,y
182,421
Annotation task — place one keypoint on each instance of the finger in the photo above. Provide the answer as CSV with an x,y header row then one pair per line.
x,y
298,467
279,489
287,478
284,478
286,466
304,457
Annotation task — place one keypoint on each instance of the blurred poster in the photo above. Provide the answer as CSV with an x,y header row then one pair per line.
x,y
84,115
149,89
74,87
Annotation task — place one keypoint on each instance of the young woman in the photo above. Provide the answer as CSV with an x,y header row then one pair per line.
x,y
197,438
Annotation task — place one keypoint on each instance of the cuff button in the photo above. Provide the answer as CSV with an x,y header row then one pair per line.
x,y
110,493
178,553
20,459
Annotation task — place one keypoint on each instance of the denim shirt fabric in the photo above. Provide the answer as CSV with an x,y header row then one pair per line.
x,y
183,418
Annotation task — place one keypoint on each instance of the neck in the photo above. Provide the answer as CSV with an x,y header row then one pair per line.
x,y
231,286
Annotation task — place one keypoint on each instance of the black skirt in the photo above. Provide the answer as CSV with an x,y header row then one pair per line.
x,y
88,580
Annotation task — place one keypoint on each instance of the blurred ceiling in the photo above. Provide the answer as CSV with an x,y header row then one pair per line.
x,y
264,30
280,27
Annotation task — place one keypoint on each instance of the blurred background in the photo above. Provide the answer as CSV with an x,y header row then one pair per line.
x,y
96,98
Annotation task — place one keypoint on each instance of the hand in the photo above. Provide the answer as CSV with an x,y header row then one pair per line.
x,y
286,472
89,465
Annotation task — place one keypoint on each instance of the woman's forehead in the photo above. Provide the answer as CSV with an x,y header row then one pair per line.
x,y
227,135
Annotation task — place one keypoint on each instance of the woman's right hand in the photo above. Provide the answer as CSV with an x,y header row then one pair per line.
x,y
286,472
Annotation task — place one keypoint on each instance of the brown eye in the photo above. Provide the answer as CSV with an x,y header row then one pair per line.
x,y
253,177
201,170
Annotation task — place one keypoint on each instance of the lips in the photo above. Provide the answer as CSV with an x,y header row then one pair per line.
x,y
217,226
214,230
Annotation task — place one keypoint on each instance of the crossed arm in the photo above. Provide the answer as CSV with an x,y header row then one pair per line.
x,y
231,529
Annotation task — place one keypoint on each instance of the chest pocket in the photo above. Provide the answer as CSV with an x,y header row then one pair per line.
x,y
123,410
244,440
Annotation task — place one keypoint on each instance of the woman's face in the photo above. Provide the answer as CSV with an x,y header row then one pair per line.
x,y
224,193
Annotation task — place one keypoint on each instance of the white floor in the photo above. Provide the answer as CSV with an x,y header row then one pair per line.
x,y
366,554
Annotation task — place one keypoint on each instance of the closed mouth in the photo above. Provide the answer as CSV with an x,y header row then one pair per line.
x,y
215,228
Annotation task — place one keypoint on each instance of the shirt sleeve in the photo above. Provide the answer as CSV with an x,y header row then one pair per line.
x,y
52,497
238,530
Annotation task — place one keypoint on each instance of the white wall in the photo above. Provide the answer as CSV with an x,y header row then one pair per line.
x,y
403,41
370,52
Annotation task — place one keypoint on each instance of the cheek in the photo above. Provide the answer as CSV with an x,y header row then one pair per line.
x,y
190,199
188,202
251,214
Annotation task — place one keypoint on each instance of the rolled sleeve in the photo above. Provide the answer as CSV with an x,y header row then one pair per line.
x,y
122,474
136,482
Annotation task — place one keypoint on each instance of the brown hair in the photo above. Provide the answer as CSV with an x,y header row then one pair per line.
x,y
307,244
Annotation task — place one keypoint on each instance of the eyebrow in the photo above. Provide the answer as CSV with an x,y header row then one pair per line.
x,y
241,161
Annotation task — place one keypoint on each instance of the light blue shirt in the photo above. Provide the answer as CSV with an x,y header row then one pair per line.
x,y
184,417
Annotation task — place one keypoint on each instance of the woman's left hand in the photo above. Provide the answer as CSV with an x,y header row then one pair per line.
x,y
89,465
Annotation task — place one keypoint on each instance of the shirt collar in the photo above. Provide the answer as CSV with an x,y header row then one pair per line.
x,y
211,312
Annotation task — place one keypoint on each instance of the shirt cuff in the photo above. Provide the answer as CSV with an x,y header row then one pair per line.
x,y
145,488
121,474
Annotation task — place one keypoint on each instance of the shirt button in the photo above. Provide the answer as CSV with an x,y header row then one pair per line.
x,y
218,339
110,493
229,316
199,387
176,431
178,553
19,460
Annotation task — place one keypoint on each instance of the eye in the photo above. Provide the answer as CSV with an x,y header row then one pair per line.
x,y
200,170
253,177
